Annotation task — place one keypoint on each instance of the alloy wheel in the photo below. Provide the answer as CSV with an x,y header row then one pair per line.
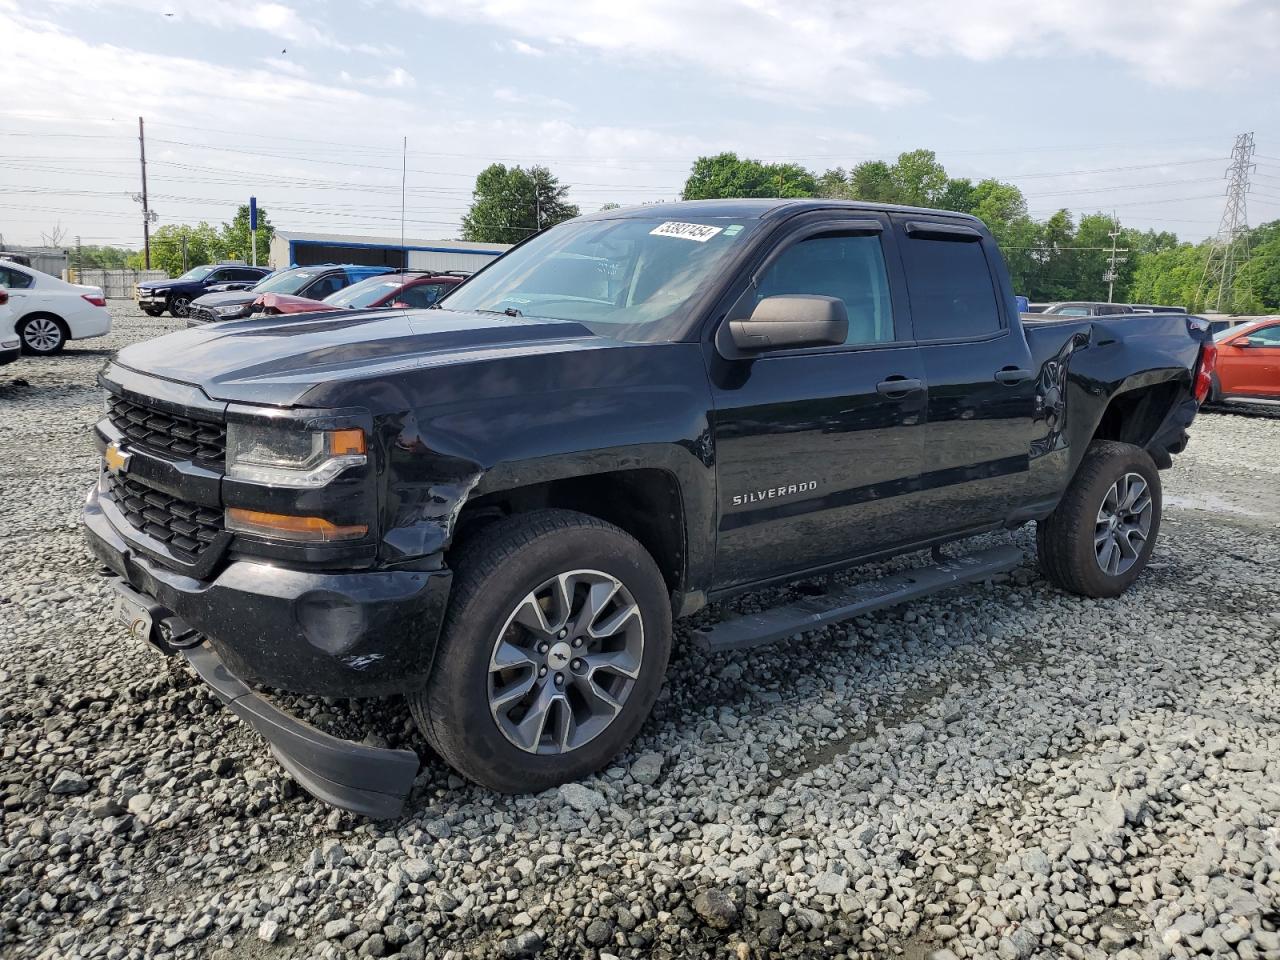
x,y
181,306
1123,525
565,662
42,335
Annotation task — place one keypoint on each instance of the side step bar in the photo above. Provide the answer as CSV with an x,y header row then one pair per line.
x,y
810,613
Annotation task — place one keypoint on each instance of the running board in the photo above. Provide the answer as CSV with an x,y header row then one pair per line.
x,y
810,613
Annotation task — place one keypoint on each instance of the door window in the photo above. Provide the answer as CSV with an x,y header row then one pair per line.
x,y
422,295
849,267
15,279
949,283
329,283
1270,336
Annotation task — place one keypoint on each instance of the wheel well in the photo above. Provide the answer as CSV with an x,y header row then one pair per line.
x,y
645,503
1136,415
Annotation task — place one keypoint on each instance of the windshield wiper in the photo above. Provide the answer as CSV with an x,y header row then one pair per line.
x,y
509,312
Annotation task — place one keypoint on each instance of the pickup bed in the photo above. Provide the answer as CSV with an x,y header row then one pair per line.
x,y
497,507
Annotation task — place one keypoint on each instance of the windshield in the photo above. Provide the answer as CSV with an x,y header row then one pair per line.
x,y
287,282
628,278
197,273
365,293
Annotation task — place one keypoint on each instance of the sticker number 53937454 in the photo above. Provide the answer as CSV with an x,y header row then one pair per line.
x,y
698,232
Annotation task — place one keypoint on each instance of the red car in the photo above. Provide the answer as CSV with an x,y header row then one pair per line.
x,y
1248,362
396,290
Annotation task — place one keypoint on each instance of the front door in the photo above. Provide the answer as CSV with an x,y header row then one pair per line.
x,y
817,450
1252,370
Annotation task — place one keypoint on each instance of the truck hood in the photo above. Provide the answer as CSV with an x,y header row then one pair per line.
x,y
277,360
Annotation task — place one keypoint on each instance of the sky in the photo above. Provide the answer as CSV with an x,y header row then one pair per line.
x,y
1092,105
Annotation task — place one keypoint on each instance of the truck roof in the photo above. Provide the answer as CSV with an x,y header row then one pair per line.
x,y
759,209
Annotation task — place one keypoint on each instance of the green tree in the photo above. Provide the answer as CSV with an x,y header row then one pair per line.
x,y
510,203
1259,278
920,178
873,180
1171,276
834,184
204,245
728,176
236,241
959,195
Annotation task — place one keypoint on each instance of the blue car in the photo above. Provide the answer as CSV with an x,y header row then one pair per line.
x,y
315,282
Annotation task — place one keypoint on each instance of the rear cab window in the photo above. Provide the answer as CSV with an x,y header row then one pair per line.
x,y
949,283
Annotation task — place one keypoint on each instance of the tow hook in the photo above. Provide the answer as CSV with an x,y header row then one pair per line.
x,y
152,624
175,634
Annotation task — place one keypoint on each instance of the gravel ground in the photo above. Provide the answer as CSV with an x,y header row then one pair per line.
x,y
1007,771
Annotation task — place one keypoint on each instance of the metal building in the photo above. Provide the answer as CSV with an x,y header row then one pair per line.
x,y
290,249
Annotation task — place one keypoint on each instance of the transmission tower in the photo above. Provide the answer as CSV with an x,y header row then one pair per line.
x,y
1231,246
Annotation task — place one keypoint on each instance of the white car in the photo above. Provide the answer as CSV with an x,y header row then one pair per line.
x,y
48,312
9,343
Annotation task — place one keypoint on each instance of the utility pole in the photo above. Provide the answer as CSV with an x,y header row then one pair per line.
x,y
184,250
79,260
1110,275
1231,245
404,170
146,210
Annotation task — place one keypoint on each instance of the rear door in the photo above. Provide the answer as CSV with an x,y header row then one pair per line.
x,y
21,287
978,367
817,450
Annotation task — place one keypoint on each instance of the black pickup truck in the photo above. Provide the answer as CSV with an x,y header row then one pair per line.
x,y
496,508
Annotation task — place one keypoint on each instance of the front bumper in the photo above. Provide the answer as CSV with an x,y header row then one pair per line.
x,y
371,781
336,634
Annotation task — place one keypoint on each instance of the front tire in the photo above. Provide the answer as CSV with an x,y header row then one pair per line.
x,y
153,311
42,335
179,306
1099,538
552,652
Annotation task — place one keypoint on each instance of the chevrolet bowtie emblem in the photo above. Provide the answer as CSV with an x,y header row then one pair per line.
x,y
116,459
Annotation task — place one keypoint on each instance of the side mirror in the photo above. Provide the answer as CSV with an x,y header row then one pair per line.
x,y
790,322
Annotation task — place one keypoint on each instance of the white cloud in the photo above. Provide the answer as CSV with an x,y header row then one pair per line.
x,y
528,49
524,98
840,50
283,22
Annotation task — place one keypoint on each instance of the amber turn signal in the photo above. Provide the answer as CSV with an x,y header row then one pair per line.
x,y
346,443
283,526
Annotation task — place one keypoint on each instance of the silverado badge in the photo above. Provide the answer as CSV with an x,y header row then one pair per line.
x,y
116,459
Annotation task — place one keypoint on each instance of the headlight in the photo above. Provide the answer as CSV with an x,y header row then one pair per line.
x,y
230,310
284,457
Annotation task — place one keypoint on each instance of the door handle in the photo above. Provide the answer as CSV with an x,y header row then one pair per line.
x,y
1013,375
898,386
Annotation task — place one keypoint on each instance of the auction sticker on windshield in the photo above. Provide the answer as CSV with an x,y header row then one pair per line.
x,y
698,232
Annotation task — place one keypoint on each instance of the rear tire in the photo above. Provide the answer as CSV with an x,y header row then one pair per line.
x,y
1099,538
529,592
42,335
